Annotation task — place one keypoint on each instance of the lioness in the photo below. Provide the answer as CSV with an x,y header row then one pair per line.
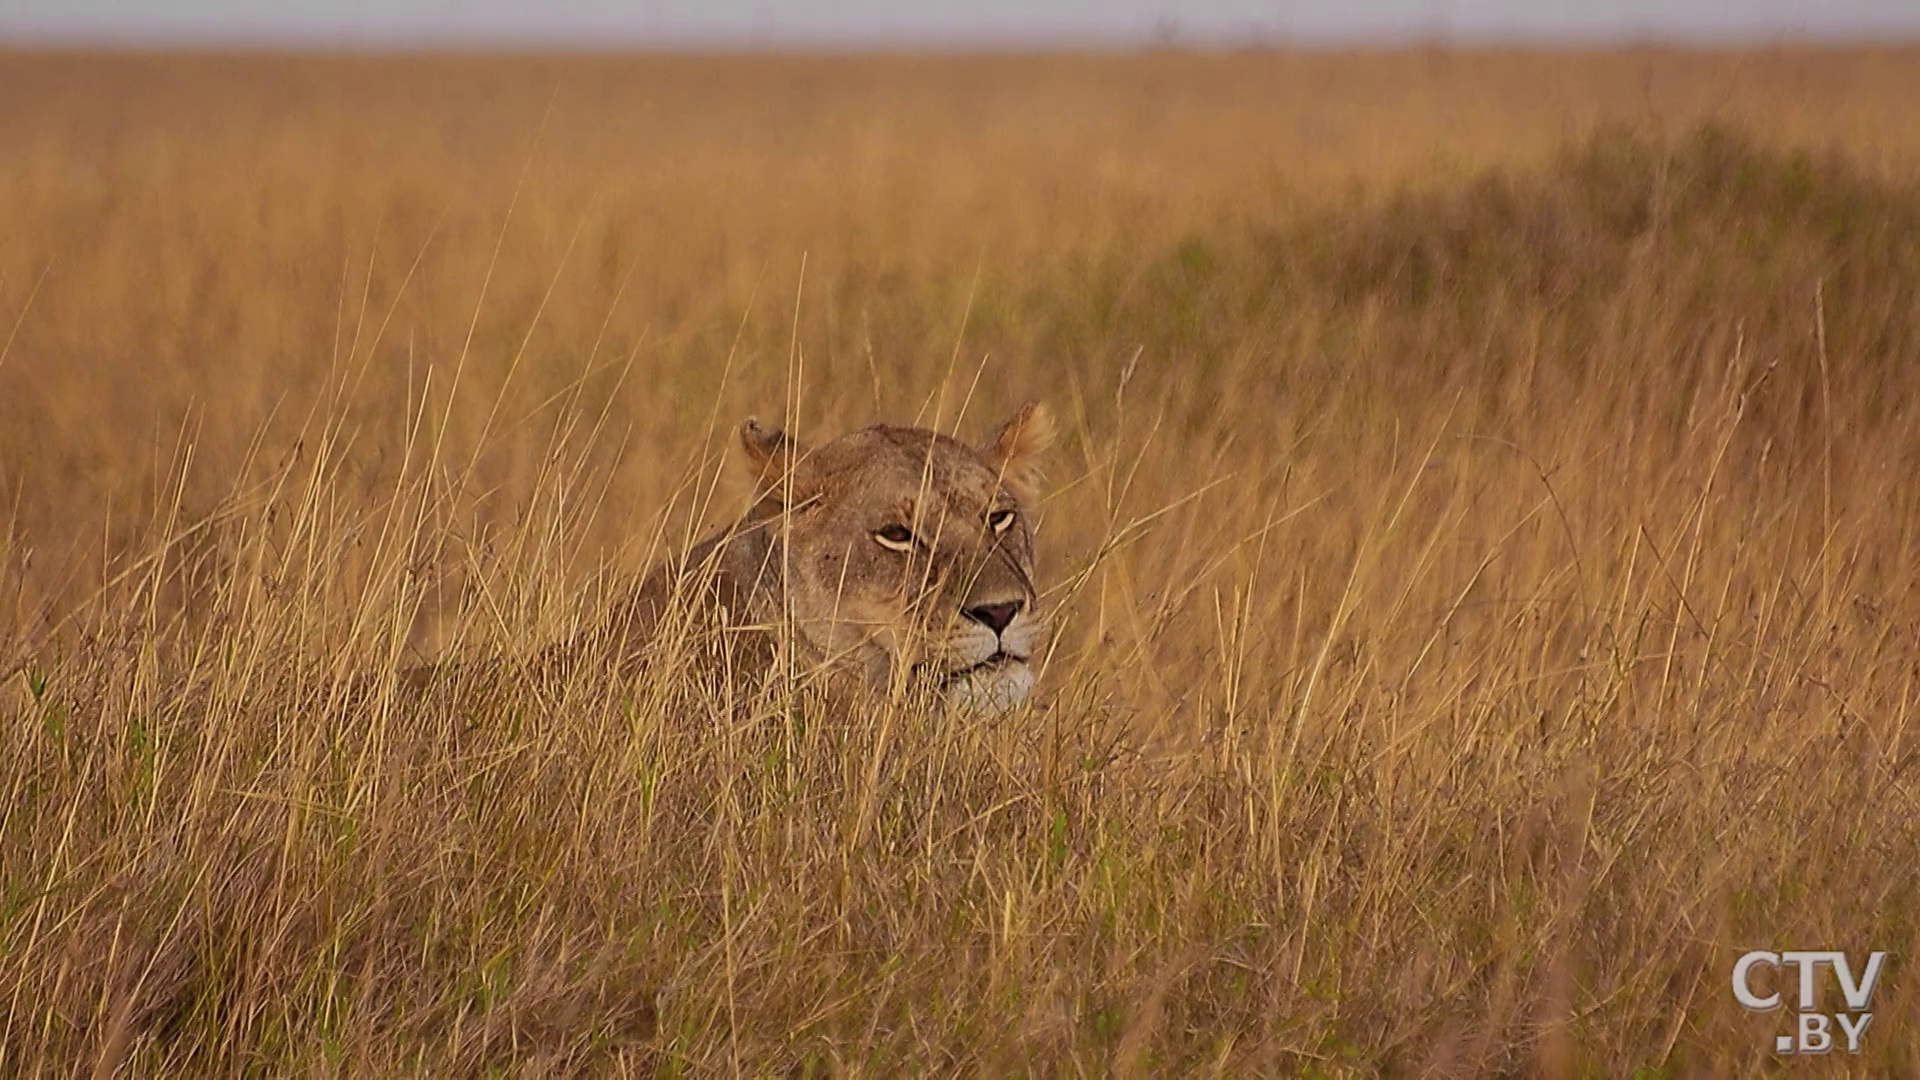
x,y
895,555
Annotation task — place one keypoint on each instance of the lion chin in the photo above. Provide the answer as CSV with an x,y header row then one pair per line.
x,y
999,684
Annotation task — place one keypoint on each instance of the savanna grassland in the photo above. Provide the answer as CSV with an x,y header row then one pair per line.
x,y
1482,543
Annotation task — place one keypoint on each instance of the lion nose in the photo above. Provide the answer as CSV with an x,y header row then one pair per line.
x,y
994,617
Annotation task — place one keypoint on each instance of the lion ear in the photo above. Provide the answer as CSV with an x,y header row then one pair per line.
x,y
1019,450
771,455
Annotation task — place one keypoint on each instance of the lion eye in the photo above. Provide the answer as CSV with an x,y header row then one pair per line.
x,y
1000,520
894,537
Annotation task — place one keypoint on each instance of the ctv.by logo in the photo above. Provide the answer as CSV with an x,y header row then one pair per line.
x,y
1815,1035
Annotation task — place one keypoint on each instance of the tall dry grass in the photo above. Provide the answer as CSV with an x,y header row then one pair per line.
x,y
1482,548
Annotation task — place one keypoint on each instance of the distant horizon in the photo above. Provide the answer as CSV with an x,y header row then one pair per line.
x,y
506,48
730,26
225,43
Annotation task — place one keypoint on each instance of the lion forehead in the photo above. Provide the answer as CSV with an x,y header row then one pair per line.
x,y
891,468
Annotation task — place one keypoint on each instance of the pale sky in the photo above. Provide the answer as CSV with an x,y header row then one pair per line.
x,y
616,23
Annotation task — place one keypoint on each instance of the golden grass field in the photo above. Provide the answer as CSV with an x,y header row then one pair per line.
x,y
1482,546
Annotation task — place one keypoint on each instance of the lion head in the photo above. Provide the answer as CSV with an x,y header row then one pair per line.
x,y
909,555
